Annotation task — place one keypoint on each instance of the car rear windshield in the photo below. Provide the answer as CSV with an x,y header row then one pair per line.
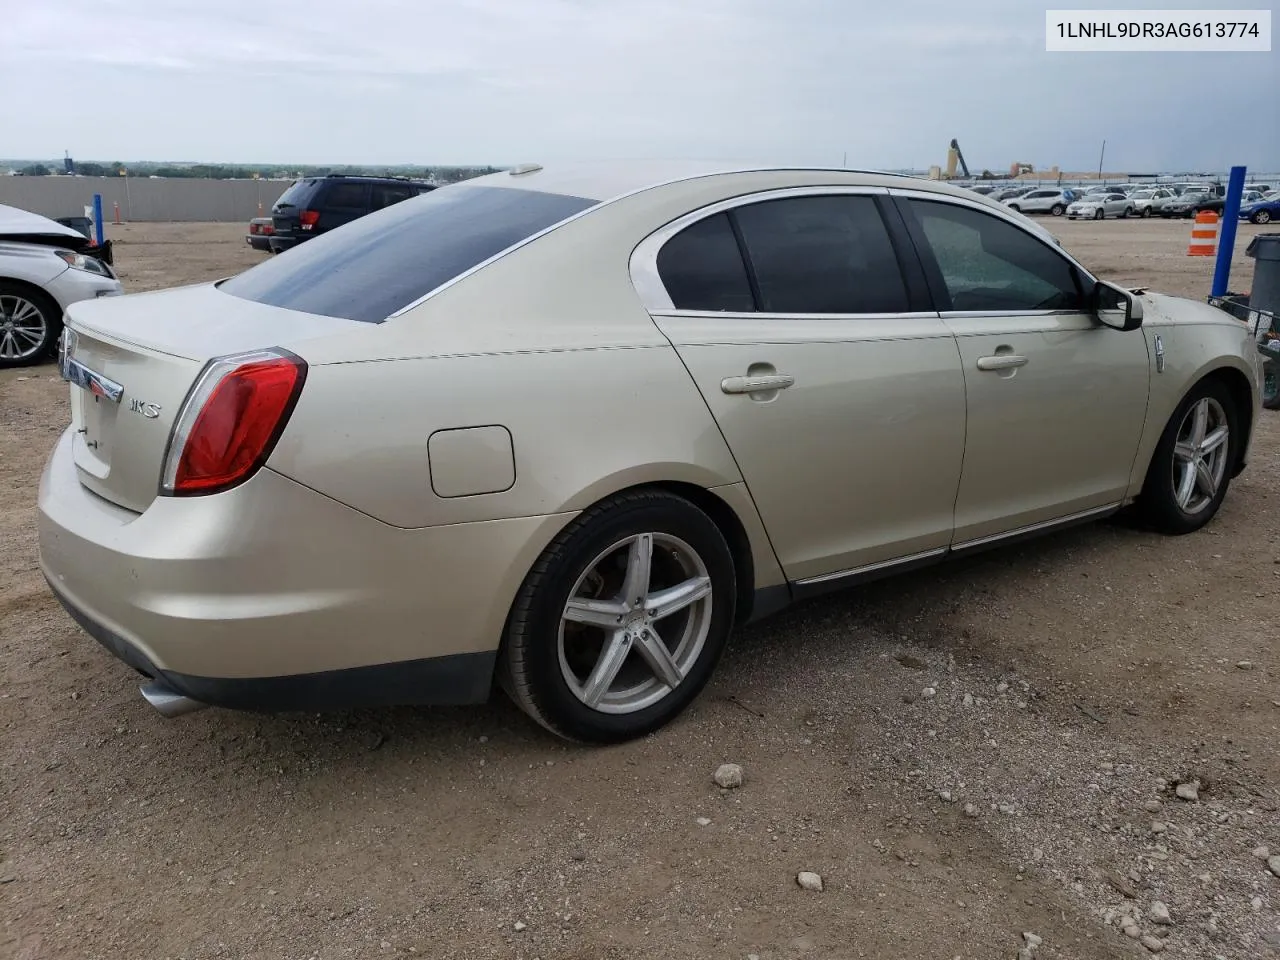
x,y
298,190
373,266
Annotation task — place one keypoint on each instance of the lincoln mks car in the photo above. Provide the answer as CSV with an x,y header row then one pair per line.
x,y
560,430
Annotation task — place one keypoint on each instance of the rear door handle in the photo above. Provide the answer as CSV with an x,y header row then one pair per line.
x,y
778,381
1003,361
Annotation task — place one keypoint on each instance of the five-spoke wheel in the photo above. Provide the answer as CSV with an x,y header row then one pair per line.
x,y
622,619
1191,467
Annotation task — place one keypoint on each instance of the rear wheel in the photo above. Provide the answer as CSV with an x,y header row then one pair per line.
x,y
1191,467
1057,209
1146,211
30,323
1261,216
622,620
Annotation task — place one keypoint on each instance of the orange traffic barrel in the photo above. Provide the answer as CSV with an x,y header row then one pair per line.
x,y
1204,235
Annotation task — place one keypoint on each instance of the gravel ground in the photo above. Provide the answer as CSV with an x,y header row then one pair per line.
x,y
984,760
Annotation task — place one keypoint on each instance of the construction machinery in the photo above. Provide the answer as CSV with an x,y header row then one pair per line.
x,y
954,156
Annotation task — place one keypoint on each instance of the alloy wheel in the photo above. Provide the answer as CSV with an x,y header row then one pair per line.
x,y
1200,455
22,328
635,623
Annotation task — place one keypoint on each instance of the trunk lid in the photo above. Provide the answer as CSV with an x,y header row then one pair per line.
x,y
131,361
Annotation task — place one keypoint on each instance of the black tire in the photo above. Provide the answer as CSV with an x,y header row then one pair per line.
x,y
1146,212
1014,207
1099,214
1057,209
1158,502
50,324
1128,212
529,667
1271,384
1261,216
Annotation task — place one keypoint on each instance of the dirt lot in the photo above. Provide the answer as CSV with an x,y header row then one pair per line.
x,y
1077,681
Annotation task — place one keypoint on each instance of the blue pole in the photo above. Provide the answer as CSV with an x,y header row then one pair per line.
x,y
1227,238
97,216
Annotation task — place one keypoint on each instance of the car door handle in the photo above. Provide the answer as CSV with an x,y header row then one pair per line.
x,y
778,381
1003,361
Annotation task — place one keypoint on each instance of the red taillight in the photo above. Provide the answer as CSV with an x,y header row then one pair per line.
x,y
231,420
309,218
268,228
253,228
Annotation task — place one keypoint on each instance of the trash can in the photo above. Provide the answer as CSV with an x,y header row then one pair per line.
x,y
1265,250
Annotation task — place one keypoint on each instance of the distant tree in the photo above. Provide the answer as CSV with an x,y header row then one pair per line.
x,y
35,170
92,169
116,167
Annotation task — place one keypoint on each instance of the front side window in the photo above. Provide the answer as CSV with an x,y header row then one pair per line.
x,y
989,264
821,254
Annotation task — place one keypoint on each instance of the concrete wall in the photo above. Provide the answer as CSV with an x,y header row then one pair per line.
x,y
143,199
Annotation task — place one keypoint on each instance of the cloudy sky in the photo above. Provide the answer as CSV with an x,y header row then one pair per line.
x,y
504,81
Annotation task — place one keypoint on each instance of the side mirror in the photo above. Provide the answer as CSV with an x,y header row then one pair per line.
x,y
1116,306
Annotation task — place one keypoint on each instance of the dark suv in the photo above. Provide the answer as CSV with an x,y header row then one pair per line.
x,y
316,204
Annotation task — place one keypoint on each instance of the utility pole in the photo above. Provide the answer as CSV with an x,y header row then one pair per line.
x,y
1100,156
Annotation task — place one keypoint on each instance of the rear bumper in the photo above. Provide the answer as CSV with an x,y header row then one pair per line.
x,y
461,678
280,244
273,595
258,241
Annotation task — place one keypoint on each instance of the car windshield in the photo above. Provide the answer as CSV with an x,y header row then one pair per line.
x,y
384,261
1144,194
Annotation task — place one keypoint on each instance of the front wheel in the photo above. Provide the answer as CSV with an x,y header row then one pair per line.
x,y
622,620
1191,467
1146,212
1057,209
30,323
1098,214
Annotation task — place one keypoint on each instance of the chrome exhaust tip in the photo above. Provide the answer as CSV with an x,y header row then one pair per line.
x,y
168,701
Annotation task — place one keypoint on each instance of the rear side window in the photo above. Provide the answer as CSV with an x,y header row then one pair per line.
x,y
370,268
702,269
823,254
988,264
347,195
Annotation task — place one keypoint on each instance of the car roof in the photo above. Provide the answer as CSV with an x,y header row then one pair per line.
x,y
17,222
606,181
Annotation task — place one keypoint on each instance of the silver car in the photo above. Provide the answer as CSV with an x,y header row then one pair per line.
x,y
1099,205
44,268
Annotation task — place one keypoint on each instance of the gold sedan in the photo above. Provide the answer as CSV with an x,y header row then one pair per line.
x,y
564,428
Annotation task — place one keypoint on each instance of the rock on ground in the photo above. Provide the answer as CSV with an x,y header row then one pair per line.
x,y
809,881
728,776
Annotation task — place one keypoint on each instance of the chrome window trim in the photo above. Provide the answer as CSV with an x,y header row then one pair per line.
x,y
970,314
643,264
1002,213
823,317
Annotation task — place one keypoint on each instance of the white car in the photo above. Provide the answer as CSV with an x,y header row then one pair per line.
x,y
44,268
1048,200
1099,205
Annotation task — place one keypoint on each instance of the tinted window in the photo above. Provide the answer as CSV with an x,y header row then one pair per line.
x,y
385,194
296,195
373,266
989,264
347,195
702,268
822,255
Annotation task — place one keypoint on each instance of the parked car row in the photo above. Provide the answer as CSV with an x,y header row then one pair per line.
x,y
1138,199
